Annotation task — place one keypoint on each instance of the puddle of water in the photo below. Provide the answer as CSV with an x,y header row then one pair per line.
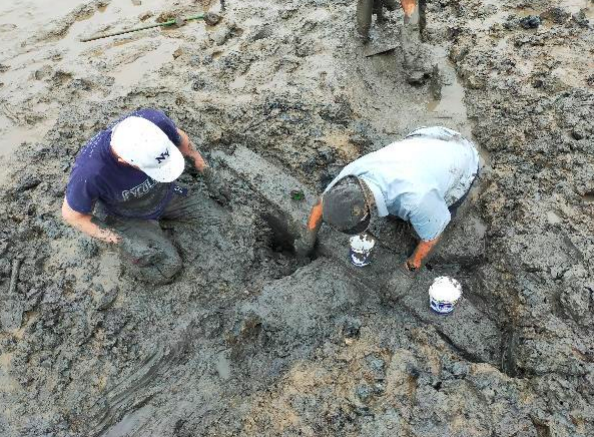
x,y
451,105
588,198
484,158
11,136
571,6
22,18
239,82
452,94
553,218
575,6
131,422
117,16
223,366
73,53
131,74
69,54
7,383
451,102
572,68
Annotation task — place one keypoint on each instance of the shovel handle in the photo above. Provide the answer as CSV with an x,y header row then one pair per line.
x,y
150,26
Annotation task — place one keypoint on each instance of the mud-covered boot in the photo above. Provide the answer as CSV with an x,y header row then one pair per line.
x,y
364,16
391,5
417,63
378,10
147,254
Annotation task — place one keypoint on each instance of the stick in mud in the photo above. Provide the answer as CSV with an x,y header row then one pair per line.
x,y
210,18
14,276
11,315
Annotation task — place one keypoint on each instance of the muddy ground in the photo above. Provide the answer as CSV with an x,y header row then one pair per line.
x,y
250,340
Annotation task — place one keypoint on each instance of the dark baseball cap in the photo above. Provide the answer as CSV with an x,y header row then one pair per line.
x,y
345,208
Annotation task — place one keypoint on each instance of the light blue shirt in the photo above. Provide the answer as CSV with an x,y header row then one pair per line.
x,y
417,178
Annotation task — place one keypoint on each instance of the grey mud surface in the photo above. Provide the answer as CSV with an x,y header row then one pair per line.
x,y
249,340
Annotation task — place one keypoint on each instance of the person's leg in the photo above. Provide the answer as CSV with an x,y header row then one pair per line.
x,y
391,5
378,10
186,218
184,207
417,59
411,12
422,5
147,254
364,14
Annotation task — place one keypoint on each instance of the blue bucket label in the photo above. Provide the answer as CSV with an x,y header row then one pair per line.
x,y
359,259
441,307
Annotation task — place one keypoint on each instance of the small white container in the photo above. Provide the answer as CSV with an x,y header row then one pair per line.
x,y
444,294
361,247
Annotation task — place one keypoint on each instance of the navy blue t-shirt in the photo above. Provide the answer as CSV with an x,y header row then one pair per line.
x,y
123,190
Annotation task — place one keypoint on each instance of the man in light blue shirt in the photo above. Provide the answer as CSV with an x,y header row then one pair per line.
x,y
421,179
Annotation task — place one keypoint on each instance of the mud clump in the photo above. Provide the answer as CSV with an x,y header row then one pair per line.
x,y
250,339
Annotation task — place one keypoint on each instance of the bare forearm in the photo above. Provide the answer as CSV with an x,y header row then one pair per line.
x,y
86,225
188,149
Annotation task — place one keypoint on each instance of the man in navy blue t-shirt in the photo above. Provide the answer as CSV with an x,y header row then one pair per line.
x,y
127,171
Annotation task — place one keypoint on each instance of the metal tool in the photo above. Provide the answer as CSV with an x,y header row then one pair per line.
x,y
209,18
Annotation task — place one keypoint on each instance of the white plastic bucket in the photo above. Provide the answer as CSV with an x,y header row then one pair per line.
x,y
444,294
361,247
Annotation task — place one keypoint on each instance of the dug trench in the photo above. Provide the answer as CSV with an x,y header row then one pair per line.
x,y
250,339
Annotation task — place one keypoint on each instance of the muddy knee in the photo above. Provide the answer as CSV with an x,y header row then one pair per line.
x,y
150,262
169,268
157,273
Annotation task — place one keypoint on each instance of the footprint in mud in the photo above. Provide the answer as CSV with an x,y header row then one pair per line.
x,y
135,390
7,27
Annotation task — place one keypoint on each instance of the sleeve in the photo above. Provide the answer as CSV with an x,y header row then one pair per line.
x,y
81,193
430,217
164,123
436,133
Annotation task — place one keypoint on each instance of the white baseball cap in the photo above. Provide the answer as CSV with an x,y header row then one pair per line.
x,y
143,144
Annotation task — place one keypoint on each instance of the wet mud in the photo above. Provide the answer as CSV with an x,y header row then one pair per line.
x,y
251,340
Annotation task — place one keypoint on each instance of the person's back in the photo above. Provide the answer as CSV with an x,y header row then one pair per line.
x,y
406,171
122,190
422,179
129,171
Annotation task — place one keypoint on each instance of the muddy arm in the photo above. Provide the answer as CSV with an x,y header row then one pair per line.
x,y
423,249
83,222
305,244
215,184
188,149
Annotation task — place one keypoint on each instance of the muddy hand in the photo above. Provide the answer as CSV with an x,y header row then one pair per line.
x,y
216,186
212,19
304,245
411,265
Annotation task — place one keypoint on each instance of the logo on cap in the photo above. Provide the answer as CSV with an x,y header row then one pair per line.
x,y
162,157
